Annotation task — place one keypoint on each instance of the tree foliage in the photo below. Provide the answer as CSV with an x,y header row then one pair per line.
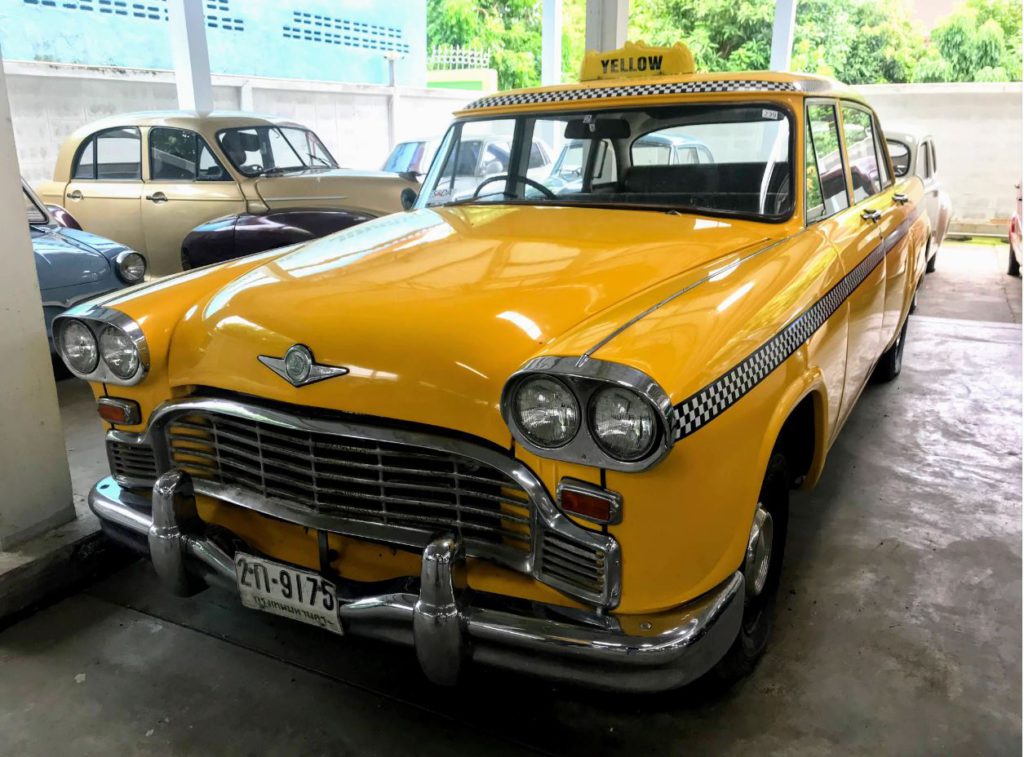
x,y
856,41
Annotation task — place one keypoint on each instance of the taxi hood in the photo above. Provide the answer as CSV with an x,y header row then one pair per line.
x,y
431,311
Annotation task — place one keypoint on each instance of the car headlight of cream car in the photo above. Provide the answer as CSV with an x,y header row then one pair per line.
x,y
101,344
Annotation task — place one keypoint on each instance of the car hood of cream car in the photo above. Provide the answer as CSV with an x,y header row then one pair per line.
x,y
432,310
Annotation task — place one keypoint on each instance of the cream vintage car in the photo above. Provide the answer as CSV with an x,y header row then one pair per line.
x,y
147,180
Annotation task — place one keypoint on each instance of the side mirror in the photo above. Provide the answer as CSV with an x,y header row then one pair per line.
x,y
408,198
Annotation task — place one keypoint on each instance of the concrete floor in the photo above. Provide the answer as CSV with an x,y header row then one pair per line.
x,y
898,630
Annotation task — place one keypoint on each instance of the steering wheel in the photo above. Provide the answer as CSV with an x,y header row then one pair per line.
x,y
525,179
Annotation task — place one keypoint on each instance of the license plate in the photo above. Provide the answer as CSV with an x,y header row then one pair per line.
x,y
287,591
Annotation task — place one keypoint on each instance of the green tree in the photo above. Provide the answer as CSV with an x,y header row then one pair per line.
x,y
507,30
979,41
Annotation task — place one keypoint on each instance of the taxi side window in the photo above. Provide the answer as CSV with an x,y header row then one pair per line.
x,y
825,174
181,155
862,152
110,155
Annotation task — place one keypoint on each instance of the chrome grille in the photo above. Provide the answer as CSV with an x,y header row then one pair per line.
x,y
573,565
357,480
131,463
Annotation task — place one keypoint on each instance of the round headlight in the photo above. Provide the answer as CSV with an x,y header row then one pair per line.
x,y
119,352
623,423
546,411
78,347
131,267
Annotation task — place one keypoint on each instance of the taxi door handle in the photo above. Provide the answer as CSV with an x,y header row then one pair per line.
x,y
900,198
75,194
871,215
157,197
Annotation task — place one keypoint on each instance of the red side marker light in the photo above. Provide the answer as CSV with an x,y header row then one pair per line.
x,y
119,411
589,501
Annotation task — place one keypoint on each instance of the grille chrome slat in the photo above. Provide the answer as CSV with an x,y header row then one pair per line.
x,y
357,480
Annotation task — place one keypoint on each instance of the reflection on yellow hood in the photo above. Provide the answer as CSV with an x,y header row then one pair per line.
x,y
432,310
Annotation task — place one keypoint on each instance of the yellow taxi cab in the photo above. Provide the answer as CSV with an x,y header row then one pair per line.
x,y
546,429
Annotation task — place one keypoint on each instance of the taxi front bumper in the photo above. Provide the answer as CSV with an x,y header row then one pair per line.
x,y
448,627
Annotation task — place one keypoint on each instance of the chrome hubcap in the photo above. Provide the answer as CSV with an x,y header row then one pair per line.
x,y
759,552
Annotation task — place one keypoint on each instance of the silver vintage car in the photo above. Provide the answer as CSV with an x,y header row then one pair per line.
x,y
914,153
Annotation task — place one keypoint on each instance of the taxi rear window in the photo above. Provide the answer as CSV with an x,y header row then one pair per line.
x,y
733,160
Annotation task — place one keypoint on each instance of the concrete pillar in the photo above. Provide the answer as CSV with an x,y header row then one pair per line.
x,y
551,43
392,59
35,484
191,55
782,34
245,97
606,24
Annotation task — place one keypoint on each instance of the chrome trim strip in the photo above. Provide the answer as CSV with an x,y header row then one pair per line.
x,y
712,275
96,317
661,651
546,515
584,378
304,199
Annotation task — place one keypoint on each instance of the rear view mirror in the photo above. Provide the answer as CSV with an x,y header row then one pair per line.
x,y
597,128
408,198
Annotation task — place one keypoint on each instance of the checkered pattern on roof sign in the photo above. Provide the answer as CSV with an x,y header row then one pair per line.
x,y
631,90
700,408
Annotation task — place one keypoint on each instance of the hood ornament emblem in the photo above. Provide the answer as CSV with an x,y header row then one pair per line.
x,y
298,367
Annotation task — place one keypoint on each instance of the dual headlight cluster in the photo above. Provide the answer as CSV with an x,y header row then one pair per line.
x,y
100,344
602,414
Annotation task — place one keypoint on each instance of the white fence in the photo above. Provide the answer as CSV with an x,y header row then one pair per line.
x,y
977,130
49,101
977,127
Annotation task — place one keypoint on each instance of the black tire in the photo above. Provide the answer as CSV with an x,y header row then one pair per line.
x,y
929,266
891,362
1014,268
759,611
186,260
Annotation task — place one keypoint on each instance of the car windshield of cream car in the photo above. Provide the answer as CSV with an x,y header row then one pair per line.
x,y
744,168
265,150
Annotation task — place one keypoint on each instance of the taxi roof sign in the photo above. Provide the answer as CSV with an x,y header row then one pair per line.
x,y
635,60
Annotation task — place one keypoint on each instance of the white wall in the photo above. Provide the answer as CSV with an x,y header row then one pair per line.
x,y
49,101
977,130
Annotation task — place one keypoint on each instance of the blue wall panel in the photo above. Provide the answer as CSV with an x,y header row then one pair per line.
x,y
332,40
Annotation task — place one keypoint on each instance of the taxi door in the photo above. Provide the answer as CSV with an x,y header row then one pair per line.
x,y
862,133
105,188
186,185
853,211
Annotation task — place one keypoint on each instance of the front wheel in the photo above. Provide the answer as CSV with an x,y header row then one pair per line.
x,y
1014,268
929,266
762,568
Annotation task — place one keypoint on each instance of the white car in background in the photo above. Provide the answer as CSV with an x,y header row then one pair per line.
x,y
914,154
412,156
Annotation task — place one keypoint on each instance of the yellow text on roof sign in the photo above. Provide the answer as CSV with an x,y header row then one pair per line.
x,y
637,60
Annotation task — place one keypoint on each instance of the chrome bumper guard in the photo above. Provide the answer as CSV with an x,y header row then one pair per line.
x,y
668,650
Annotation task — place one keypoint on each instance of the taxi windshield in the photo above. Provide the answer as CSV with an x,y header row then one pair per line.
x,y
732,160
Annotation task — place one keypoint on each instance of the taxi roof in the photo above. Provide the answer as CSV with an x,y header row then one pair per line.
x,y
672,88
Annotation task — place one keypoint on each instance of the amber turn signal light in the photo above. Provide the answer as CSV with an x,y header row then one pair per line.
x,y
589,501
119,411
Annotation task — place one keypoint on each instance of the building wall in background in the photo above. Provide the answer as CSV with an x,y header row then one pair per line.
x,y
977,130
332,40
49,101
